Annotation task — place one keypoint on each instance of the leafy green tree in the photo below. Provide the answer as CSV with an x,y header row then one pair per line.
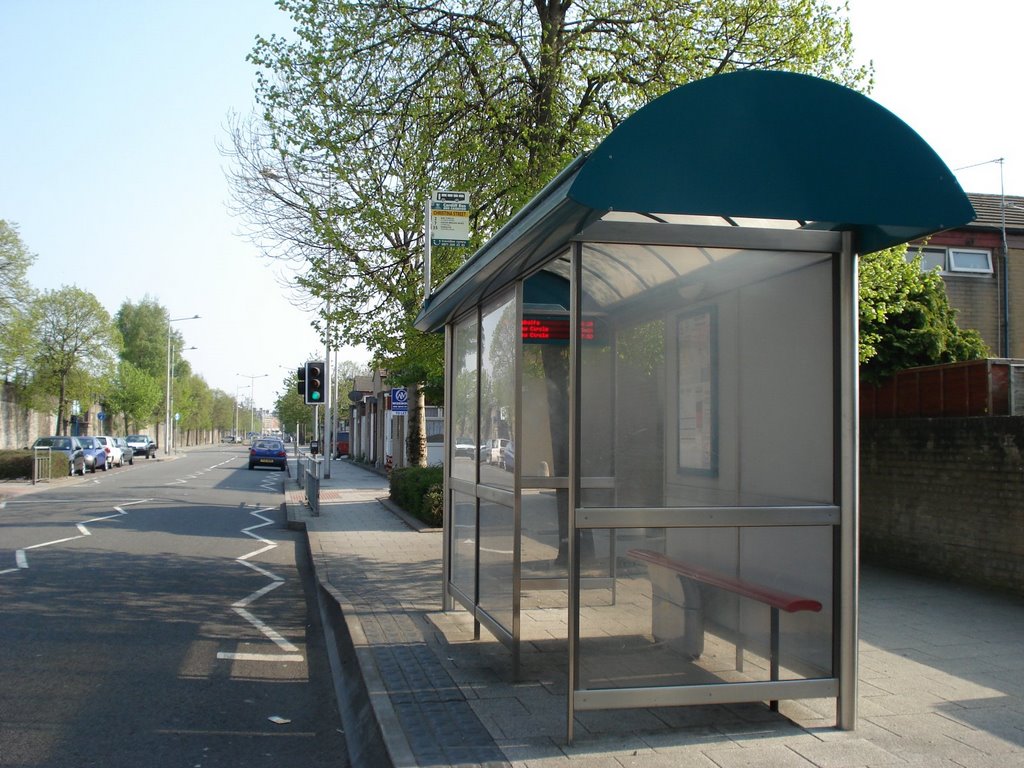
x,y
223,411
193,400
376,103
906,319
77,347
15,298
143,327
134,396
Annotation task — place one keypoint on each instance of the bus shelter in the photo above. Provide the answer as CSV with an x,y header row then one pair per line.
x,y
651,437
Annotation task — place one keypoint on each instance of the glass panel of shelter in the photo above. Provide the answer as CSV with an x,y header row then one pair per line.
x,y
663,399
543,460
463,531
684,349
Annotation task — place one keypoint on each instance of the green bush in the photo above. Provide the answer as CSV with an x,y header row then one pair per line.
x,y
17,465
420,492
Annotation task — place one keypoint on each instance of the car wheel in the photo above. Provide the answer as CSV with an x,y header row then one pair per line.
x,y
91,469
251,466
131,461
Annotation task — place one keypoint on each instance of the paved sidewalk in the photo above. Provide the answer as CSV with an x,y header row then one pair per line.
x,y
941,670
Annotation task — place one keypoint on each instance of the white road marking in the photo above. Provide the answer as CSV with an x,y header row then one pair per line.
x,y
240,606
184,480
21,559
55,541
266,629
261,656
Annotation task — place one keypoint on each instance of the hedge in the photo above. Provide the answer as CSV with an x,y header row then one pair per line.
x,y
17,465
420,492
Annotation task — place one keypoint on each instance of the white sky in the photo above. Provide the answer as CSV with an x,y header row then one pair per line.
x,y
113,110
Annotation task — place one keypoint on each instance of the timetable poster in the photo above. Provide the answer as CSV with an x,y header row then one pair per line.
x,y
697,412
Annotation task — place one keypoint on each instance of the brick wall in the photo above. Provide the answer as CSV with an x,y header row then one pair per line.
x,y
945,497
978,304
1016,295
19,427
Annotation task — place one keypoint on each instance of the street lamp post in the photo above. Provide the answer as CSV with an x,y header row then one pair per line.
x,y
171,442
238,387
167,399
252,396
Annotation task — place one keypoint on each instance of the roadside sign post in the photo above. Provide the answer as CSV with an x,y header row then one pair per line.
x,y
399,400
446,222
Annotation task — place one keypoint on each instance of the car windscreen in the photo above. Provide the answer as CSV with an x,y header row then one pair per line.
x,y
87,442
60,443
268,445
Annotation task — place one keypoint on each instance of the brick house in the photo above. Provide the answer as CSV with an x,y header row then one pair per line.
x,y
986,289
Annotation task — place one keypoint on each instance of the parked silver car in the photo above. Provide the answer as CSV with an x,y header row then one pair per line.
x,y
141,445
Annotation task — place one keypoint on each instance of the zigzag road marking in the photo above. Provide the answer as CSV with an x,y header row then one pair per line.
x,y
21,559
240,606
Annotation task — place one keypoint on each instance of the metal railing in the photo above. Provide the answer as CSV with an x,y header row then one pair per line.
x,y
41,463
308,471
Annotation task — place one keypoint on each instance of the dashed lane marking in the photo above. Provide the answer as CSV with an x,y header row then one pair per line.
x,y
21,558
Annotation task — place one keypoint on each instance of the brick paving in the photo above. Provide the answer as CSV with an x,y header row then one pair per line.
x,y
941,670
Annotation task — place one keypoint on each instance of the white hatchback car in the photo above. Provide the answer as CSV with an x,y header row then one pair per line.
x,y
115,454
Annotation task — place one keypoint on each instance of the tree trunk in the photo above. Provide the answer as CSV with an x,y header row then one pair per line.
x,y
62,427
416,443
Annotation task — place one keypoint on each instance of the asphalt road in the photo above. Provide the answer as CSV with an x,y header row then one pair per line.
x,y
161,615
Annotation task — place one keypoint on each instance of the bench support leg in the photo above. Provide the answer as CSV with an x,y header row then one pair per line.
x,y
774,661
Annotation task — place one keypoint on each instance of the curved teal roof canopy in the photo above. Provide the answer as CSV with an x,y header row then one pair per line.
x,y
751,144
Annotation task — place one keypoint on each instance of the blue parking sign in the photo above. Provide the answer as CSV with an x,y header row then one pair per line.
x,y
399,400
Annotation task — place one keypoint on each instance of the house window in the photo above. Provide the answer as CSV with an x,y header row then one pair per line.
x,y
970,260
953,260
930,258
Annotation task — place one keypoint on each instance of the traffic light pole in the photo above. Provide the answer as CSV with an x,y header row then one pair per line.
x,y
329,436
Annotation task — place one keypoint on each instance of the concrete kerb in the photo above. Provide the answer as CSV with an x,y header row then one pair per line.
x,y
372,729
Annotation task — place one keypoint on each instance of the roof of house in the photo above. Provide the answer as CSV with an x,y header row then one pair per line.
x,y
989,210
362,384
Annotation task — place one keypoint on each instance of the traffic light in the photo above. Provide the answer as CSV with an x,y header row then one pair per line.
x,y
315,387
301,382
